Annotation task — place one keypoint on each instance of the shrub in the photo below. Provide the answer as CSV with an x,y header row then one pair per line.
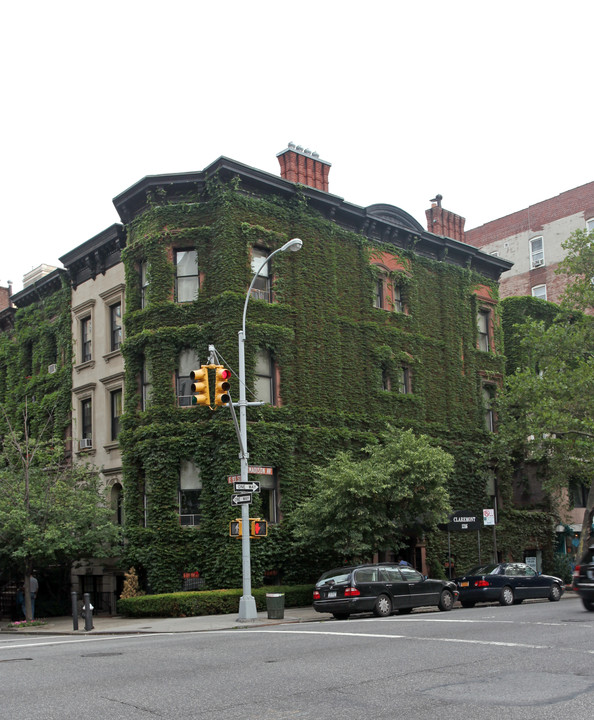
x,y
208,602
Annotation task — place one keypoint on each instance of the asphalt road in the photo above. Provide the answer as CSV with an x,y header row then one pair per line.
x,y
530,661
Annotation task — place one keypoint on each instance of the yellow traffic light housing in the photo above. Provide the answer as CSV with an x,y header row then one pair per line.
x,y
200,389
222,385
258,528
235,528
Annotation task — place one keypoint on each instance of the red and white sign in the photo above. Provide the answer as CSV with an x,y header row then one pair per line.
x,y
260,470
488,516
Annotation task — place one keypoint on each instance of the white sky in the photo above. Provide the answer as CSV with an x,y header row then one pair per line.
x,y
489,104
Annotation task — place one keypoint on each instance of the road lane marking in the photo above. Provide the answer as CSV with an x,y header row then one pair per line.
x,y
82,640
399,637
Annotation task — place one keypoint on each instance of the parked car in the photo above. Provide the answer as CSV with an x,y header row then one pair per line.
x,y
381,589
508,584
583,580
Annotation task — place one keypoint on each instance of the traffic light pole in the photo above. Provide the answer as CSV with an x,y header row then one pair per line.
x,y
247,602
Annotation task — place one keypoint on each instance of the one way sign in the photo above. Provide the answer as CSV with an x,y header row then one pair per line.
x,y
253,486
241,499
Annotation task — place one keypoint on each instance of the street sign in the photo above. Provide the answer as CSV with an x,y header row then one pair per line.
x,y
488,516
463,520
233,478
243,499
252,486
260,470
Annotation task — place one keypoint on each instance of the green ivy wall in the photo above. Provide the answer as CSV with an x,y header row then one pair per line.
x,y
330,345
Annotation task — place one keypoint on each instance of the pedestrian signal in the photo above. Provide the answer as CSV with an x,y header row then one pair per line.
x,y
235,528
259,528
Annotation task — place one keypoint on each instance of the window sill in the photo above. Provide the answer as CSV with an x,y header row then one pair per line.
x,y
84,366
113,354
86,451
108,447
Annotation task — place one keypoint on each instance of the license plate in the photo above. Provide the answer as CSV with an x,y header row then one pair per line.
x,y
332,594
464,584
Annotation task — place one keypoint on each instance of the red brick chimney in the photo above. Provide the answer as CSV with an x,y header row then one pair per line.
x,y
444,222
304,167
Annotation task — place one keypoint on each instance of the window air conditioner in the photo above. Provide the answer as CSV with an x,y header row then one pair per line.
x,y
537,263
85,443
52,368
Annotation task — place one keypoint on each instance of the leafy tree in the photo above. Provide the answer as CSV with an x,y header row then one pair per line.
x,y
545,411
360,506
49,512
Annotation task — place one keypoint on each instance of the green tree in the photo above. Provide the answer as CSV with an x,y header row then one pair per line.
x,y
360,506
545,411
49,512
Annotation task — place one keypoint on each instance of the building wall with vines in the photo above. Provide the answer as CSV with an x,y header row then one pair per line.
x,y
337,356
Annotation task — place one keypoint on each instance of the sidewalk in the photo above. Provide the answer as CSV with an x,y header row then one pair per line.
x,y
111,625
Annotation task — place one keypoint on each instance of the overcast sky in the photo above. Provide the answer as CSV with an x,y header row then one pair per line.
x,y
489,104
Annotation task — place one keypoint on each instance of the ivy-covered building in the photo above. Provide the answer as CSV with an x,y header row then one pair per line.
x,y
375,322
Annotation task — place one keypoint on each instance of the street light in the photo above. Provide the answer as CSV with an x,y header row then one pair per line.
x,y
247,602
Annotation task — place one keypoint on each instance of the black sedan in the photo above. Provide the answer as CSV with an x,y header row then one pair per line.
x,y
508,584
381,589
583,580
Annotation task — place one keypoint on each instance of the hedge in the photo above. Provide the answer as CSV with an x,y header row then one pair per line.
x,y
208,602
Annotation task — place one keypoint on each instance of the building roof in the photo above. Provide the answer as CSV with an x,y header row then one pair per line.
x,y
382,222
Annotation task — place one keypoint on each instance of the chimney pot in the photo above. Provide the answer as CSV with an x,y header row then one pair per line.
x,y
304,167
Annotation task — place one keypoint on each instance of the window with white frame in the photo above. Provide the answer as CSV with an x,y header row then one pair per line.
x,y
398,301
188,361
143,283
262,288
147,385
483,320
86,339
116,408
488,393
537,258
86,423
190,492
187,279
403,380
115,326
590,225
379,291
264,377
539,291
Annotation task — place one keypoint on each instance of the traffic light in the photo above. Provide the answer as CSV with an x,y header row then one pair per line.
x,y
200,386
258,528
235,528
222,385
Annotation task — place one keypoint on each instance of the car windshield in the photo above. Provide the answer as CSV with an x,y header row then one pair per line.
x,y
339,575
484,570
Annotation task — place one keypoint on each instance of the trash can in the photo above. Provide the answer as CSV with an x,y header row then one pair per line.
x,y
275,605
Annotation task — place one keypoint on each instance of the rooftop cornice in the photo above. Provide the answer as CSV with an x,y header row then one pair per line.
x,y
381,222
47,285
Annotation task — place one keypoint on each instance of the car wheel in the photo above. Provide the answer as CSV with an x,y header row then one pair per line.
x,y
588,604
405,611
507,596
383,606
446,601
467,603
555,593
341,616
